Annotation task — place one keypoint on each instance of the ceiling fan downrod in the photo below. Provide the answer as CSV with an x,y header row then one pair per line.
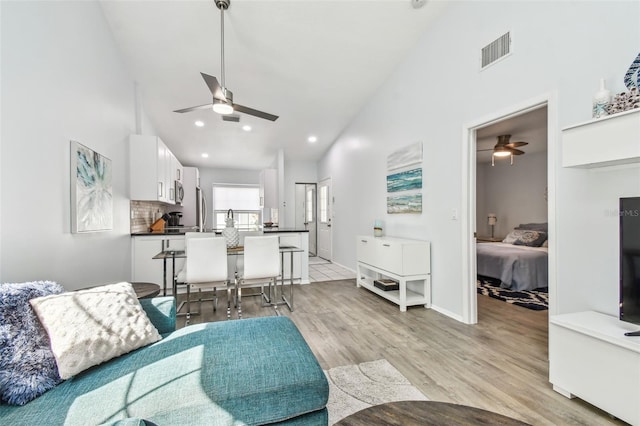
x,y
222,5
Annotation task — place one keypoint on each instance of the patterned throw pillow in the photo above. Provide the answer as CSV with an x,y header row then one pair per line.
x,y
521,237
89,327
530,239
27,365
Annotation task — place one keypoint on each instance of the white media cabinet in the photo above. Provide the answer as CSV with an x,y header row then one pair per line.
x,y
591,358
404,260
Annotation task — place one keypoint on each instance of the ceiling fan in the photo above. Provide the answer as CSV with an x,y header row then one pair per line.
x,y
504,148
222,97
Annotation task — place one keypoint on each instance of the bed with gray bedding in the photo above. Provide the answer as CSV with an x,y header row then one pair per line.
x,y
517,267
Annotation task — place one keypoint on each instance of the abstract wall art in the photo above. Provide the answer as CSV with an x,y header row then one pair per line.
x,y
91,190
406,178
410,203
404,157
404,181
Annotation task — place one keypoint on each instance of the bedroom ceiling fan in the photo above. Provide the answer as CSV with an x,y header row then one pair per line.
x,y
504,148
222,97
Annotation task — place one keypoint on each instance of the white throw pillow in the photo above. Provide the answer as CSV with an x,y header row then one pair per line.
x,y
89,327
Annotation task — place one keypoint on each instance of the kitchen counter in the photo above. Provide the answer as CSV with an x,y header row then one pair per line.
x,y
146,245
277,230
217,232
168,233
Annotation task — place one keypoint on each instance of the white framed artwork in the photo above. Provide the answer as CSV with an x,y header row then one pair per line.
x,y
91,190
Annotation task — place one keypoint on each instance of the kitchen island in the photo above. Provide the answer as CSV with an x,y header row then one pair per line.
x,y
145,245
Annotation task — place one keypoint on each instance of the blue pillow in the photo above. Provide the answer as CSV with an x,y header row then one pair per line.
x,y
27,365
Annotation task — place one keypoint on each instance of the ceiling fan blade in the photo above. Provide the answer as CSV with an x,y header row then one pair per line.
x,y
516,144
516,151
214,86
195,108
480,150
254,112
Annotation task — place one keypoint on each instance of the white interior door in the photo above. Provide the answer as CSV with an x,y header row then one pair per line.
x,y
324,219
305,213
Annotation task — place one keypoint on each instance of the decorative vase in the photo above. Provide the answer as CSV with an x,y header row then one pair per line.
x,y
377,228
230,233
601,101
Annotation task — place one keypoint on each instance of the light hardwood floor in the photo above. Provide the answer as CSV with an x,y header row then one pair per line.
x,y
499,364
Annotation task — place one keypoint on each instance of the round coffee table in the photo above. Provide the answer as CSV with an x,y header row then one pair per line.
x,y
426,413
145,290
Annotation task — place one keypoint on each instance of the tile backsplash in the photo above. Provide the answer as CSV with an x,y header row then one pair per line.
x,y
144,213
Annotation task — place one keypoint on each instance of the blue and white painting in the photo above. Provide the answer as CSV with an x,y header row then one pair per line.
x,y
411,203
406,156
91,190
405,181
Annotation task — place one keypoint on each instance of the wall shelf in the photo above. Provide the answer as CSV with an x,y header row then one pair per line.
x,y
608,141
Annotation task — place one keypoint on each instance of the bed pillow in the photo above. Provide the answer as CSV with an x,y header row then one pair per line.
x,y
531,239
27,365
541,227
512,236
521,237
89,327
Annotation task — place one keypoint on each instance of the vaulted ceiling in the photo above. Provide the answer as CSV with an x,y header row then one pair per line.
x,y
312,63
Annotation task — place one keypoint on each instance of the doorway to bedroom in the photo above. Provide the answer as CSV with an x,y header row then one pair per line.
x,y
484,199
512,210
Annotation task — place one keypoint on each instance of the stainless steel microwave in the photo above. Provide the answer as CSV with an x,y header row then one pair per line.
x,y
179,192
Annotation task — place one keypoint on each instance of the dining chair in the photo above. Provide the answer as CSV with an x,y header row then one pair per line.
x,y
261,266
205,268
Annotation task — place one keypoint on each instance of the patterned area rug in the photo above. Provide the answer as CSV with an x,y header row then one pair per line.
x,y
533,299
356,387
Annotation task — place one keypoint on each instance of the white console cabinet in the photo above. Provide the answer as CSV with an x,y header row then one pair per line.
x,y
591,358
406,261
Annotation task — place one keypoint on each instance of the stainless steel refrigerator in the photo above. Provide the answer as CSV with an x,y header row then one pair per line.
x,y
194,205
201,210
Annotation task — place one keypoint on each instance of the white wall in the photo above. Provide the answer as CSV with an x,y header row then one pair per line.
x,y
514,193
439,88
62,79
209,176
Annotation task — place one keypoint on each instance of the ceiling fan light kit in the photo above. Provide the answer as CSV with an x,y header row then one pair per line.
x,y
221,107
222,97
504,148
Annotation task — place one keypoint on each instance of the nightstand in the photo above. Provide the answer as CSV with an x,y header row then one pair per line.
x,y
481,239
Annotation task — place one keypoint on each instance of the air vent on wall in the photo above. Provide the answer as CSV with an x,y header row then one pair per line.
x,y
497,49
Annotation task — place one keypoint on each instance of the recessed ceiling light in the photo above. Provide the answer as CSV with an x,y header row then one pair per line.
x,y
199,123
312,139
246,128
205,155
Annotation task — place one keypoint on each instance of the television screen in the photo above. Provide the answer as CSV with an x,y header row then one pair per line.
x,y
630,259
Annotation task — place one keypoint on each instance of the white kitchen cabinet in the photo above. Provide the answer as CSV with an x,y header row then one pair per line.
x,y
150,165
269,189
591,358
404,260
174,173
147,269
177,170
607,141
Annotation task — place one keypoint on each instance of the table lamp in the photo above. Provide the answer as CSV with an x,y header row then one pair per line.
x,y
492,219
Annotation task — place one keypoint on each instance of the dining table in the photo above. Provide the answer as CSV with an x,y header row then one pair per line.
x,y
172,255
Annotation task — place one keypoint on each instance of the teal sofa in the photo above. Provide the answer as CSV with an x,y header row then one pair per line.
x,y
250,371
